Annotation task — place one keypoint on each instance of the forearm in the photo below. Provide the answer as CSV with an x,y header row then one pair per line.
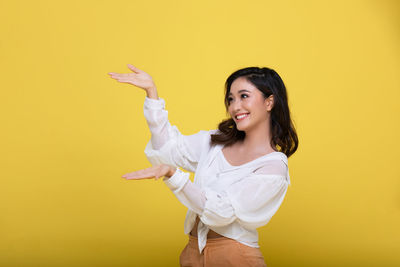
x,y
194,196
188,193
157,119
214,208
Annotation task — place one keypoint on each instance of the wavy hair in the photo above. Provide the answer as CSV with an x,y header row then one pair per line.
x,y
284,137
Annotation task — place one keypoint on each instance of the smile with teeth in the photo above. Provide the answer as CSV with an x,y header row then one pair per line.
x,y
242,116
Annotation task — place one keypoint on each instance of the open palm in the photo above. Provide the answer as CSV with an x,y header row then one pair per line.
x,y
152,172
138,78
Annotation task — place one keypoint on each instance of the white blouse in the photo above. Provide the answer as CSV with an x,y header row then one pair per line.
x,y
231,200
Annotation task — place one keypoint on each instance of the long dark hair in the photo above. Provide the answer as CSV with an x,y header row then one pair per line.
x,y
282,129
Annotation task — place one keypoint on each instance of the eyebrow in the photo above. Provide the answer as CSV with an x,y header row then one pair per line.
x,y
243,90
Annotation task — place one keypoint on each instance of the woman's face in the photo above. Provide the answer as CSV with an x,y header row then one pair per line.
x,y
247,105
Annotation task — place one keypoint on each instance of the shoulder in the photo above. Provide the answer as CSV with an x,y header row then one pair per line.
x,y
213,131
200,138
207,133
273,164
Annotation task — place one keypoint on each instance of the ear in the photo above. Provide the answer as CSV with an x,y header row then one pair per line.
x,y
269,102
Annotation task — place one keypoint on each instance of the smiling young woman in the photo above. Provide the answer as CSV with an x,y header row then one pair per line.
x,y
241,168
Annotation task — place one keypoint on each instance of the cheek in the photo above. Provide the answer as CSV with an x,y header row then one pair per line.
x,y
250,105
230,111
256,108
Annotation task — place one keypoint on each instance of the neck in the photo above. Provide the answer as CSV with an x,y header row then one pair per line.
x,y
258,139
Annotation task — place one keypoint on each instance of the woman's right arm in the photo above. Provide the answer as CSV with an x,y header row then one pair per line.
x,y
167,145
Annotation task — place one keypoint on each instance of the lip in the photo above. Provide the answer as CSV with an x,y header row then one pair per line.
x,y
241,118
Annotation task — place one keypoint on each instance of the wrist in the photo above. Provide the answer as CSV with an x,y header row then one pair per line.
x,y
171,172
177,181
152,93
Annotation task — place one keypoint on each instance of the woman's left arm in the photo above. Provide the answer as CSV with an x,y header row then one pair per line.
x,y
252,201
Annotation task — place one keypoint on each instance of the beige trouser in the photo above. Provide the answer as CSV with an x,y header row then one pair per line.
x,y
220,252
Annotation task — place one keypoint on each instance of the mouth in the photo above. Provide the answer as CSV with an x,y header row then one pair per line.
x,y
241,116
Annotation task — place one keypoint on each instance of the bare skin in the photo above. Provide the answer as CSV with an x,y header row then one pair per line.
x,y
237,155
138,78
152,172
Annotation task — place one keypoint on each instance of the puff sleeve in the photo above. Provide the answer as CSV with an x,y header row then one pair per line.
x,y
167,145
251,201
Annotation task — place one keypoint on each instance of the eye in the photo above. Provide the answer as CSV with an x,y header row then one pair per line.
x,y
244,95
229,99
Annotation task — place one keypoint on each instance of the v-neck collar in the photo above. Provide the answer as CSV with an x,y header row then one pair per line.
x,y
271,155
246,167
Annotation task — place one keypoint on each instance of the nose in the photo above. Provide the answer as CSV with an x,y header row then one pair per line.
x,y
235,106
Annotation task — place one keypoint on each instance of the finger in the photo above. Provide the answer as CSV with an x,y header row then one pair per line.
x,y
144,170
152,170
121,75
115,76
124,80
133,68
140,177
146,173
139,172
118,75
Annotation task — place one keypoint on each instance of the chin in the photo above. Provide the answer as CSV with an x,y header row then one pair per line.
x,y
241,128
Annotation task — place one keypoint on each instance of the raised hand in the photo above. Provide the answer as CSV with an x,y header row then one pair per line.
x,y
152,172
138,78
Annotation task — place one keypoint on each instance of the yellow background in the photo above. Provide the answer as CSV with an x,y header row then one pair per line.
x,y
69,131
